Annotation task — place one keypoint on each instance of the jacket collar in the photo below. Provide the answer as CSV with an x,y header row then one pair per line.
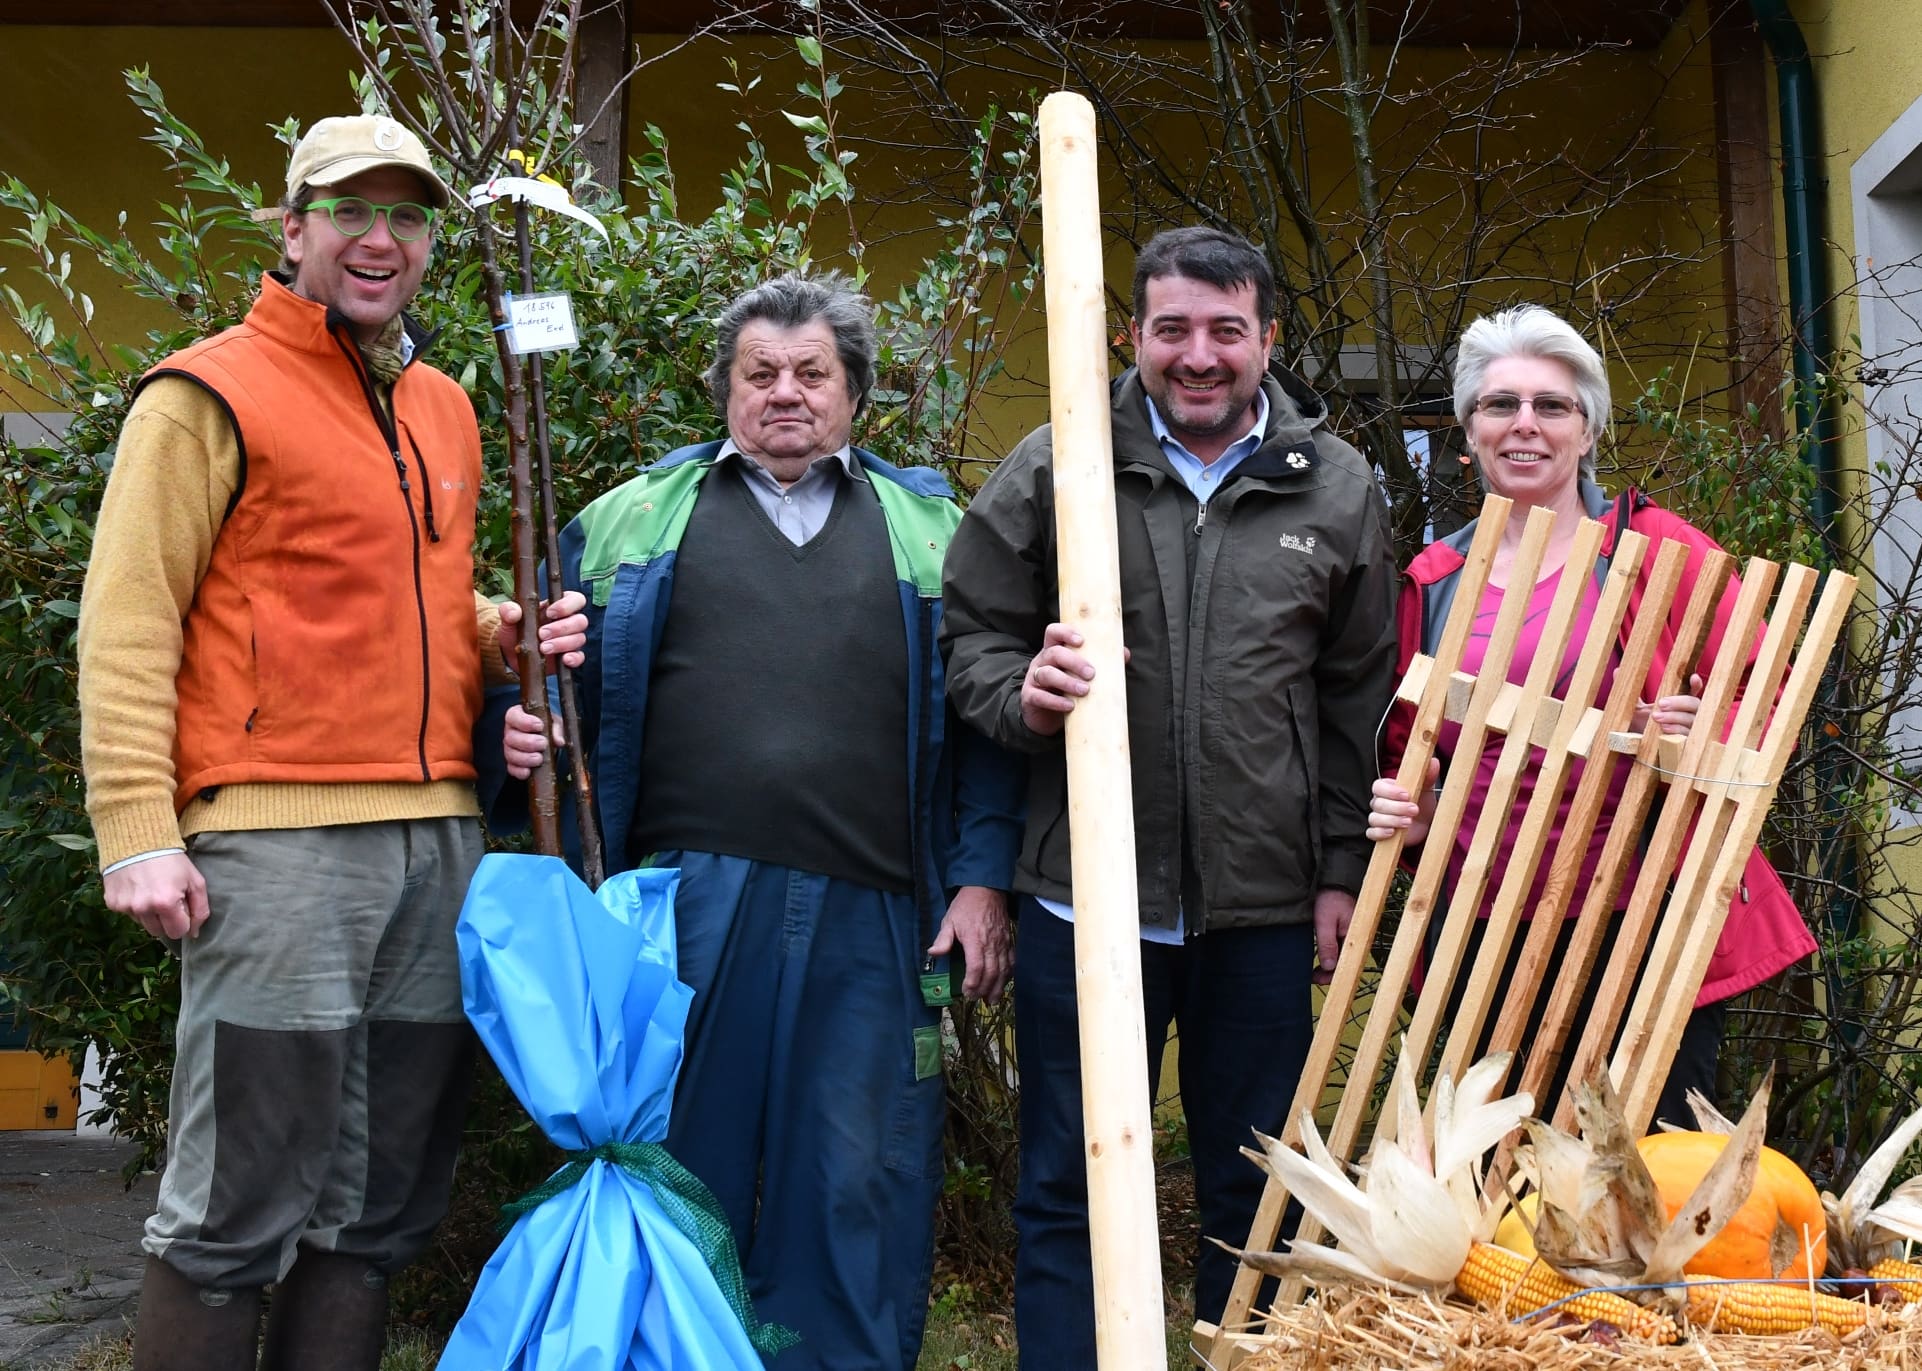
x,y
309,326
1287,450
1445,556
924,481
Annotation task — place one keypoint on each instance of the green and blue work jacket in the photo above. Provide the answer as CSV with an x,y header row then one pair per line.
x,y
620,551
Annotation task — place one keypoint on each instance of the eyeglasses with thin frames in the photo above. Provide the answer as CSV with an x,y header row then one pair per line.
x,y
1548,405
353,217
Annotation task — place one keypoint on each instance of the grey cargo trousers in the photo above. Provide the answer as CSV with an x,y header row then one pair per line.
x,y
322,1059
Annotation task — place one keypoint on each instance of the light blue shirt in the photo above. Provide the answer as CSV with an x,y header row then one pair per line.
x,y
1203,479
801,510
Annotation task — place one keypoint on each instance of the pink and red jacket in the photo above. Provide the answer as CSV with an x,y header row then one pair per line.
x,y
1765,933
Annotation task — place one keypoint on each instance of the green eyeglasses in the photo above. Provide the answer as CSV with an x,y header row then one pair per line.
x,y
353,216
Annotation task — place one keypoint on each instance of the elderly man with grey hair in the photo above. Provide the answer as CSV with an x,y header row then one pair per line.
x,y
764,708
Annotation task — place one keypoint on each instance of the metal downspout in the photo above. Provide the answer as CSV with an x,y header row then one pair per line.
x,y
1810,317
1803,184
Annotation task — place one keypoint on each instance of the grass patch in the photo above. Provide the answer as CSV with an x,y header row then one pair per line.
x,y
970,1329
408,1349
973,1341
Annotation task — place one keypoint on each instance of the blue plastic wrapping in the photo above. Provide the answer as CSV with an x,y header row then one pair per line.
x,y
574,993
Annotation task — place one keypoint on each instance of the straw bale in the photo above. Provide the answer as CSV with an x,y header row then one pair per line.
x,y
1369,1330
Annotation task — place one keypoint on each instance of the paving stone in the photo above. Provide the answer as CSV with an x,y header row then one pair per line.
x,y
69,1245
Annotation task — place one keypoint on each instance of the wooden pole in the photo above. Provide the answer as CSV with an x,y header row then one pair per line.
x,y
1118,1132
603,60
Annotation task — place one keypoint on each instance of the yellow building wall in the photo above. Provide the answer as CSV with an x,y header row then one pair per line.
x,y
1868,70
36,1092
70,133
1867,57
232,84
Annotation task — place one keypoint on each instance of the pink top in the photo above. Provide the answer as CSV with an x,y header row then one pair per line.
x,y
1526,645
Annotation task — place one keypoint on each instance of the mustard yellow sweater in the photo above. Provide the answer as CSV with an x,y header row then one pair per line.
x,y
175,469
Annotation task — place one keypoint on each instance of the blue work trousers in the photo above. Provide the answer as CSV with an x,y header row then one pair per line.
x,y
801,1106
1239,1001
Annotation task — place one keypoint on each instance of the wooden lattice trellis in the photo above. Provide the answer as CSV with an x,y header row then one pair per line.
x,y
1715,789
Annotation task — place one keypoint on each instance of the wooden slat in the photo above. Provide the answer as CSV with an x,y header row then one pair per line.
x,y
1691,824
1654,1030
1760,779
1585,810
1432,868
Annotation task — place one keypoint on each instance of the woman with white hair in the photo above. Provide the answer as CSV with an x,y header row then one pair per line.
x,y
1533,398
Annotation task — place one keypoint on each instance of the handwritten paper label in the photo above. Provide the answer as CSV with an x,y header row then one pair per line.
x,y
540,323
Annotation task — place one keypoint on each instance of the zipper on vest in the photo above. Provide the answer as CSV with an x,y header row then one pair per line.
x,y
390,432
426,488
1201,516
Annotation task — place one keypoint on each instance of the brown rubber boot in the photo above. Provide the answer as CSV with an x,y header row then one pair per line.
x,y
186,1327
330,1314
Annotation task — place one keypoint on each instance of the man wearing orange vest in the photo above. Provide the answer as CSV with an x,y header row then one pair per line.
x,y
281,660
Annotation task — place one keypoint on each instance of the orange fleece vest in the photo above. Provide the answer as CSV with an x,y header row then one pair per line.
x,y
332,638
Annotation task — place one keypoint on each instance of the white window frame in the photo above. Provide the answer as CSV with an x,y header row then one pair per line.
x,y
1885,185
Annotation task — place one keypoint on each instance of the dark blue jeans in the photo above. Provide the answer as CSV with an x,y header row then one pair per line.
x,y
1239,1001
802,1106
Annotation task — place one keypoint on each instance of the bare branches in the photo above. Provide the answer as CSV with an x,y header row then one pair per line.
x,y
471,80
1398,190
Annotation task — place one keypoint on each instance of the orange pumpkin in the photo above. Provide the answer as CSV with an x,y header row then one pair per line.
x,y
1741,1251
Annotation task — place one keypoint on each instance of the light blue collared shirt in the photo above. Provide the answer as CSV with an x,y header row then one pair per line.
x,y
799,510
1203,479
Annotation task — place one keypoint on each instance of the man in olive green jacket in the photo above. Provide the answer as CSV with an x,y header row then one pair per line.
x,y
1257,586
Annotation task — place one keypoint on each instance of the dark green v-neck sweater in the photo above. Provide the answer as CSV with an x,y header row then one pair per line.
x,y
777,722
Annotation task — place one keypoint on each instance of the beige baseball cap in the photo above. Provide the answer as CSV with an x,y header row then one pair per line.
x,y
342,147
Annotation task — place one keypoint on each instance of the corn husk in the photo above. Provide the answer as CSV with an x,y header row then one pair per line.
x,y
1410,1221
1602,1221
1861,1231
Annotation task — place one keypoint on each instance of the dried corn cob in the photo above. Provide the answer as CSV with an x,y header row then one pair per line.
x,y
1499,1279
1757,1307
1904,1278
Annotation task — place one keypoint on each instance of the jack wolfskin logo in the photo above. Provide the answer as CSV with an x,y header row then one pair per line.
x,y
1290,541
